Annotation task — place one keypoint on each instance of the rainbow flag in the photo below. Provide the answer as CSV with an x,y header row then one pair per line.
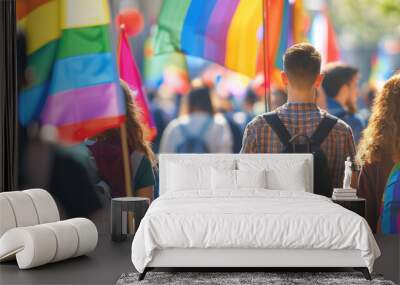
x,y
299,21
75,83
286,32
383,64
130,74
157,68
228,32
390,210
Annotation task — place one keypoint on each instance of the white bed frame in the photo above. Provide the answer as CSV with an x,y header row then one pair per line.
x,y
233,257
251,258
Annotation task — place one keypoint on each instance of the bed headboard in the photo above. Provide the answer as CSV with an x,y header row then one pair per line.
x,y
283,161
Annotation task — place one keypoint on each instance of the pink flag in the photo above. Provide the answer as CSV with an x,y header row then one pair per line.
x,y
130,74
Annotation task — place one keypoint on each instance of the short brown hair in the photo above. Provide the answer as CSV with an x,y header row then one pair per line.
x,y
337,74
302,64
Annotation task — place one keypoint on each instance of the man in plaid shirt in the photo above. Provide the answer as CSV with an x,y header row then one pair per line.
x,y
301,115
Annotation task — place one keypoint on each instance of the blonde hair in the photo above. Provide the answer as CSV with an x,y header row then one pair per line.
x,y
382,136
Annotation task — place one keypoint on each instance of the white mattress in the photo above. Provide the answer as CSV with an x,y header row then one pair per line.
x,y
252,219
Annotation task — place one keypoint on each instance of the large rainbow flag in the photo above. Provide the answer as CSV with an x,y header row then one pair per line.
x,y
228,32
390,210
75,83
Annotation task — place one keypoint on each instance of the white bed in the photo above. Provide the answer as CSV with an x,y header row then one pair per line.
x,y
205,226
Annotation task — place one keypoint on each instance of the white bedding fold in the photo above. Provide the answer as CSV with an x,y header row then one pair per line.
x,y
250,219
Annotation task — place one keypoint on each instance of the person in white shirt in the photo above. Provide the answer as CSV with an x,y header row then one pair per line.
x,y
201,131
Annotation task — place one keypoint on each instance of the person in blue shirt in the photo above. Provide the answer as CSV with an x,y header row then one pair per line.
x,y
340,84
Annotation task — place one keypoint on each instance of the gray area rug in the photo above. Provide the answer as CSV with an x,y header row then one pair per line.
x,y
228,278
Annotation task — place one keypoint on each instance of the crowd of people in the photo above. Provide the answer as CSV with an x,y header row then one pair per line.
x,y
338,93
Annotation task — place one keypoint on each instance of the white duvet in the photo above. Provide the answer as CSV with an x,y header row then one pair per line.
x,y
250,219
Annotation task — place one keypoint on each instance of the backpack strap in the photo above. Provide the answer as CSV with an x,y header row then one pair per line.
x,y
188,135
278,127
323,129
185,133
205,127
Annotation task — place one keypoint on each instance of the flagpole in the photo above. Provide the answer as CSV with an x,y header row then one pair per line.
x,y
266,63
127,175
124,136
124,141
125,157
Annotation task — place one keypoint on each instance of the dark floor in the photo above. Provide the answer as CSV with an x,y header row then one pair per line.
x,y
389,263
103,266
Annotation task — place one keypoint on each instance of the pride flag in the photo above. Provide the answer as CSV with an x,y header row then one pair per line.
x,y
299,21
390,210
384,62
159,69
75,83
323,37
228,32
130,74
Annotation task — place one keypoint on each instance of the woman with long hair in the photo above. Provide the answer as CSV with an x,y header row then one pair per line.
x,y
379,148
107,152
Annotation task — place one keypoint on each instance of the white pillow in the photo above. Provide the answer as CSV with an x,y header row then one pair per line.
x,y
251,178
292,179
223,179
182,173
188,177
280,175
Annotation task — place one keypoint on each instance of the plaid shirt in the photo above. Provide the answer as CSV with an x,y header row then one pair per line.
x,y
302,118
